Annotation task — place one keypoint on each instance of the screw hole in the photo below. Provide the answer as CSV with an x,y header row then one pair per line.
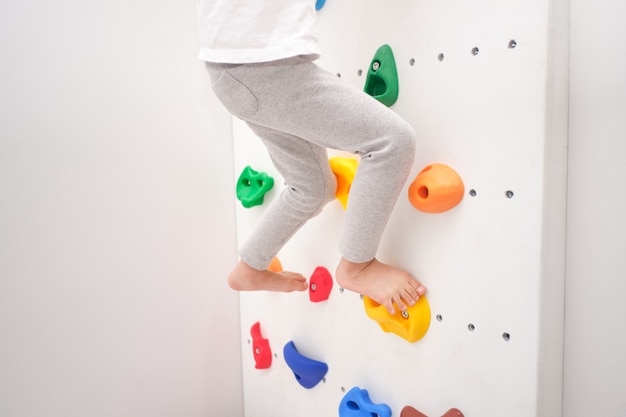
x,y
512,44
359,72
439,317
338,75
412,61
506,336
440,57
475,50
471,327
472,192
509,194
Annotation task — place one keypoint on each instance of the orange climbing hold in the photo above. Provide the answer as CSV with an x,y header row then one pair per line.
x,y
410,324
275,265
344,169
437,188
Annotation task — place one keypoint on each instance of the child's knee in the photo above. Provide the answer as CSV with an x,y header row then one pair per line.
x,y
311,196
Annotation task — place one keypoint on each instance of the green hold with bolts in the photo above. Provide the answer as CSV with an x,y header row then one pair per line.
x,y
382,77
252,187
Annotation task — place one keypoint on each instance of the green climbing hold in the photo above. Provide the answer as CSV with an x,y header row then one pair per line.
x,y
382,77
252,187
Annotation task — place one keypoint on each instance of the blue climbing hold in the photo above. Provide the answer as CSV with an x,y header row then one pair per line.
x,y
308,372
319,4
357,403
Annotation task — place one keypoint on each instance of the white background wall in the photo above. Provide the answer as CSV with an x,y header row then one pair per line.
x,y
595,364
117,224
116,216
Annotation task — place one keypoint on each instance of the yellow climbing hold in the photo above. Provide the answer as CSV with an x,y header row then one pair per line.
x,y
344,169
411,324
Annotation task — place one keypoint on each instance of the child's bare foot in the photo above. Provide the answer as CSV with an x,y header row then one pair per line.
x,y
383,283
246,278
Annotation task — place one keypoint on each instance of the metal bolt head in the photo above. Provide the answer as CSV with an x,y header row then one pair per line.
x,y
375,66
313,287
405,314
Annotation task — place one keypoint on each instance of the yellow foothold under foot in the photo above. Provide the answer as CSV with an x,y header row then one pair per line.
x,y
410,324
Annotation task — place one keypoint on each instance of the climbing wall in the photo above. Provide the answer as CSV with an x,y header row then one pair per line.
x,y
483,83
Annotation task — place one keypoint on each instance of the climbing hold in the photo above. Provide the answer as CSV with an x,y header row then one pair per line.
x,y
260,348
411,324
308,372
275,265
382,77
409,411
252,187
319,4
436,188
344,169
320,284
357,403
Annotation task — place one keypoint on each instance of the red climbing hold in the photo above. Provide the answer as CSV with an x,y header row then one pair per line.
x,y
260,348
321,283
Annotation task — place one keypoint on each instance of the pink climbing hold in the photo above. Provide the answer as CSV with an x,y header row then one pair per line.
x,y
321,283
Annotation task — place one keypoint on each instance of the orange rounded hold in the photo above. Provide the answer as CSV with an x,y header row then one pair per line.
x,y
437,188
275,265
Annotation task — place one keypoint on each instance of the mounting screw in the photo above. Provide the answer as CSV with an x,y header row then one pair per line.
x,y
375,66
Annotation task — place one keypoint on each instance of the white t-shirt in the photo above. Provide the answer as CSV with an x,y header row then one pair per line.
x,y
246,31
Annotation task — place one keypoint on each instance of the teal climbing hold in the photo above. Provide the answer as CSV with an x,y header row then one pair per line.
x,y
382,77
357,403
252,187
319,4
308,372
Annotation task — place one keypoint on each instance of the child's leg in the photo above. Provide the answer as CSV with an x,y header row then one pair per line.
x,y
310,184
297,97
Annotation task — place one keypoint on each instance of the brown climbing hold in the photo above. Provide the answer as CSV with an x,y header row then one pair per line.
x,y
409,411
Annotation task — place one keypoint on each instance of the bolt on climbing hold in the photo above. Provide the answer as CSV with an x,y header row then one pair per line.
x,y
252,187
437,188
260,348
410,324
321,283
382,77
308,372
409,411
357,403
344,170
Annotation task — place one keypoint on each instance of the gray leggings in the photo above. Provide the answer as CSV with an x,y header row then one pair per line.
x,y
299,110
